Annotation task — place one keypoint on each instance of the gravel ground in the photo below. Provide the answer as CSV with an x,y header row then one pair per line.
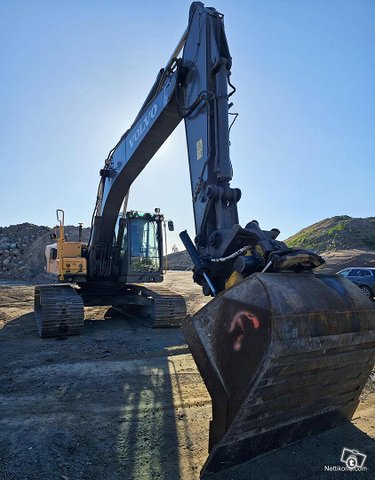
x,y
125,402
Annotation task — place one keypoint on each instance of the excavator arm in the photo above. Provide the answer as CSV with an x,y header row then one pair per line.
x,y
193,88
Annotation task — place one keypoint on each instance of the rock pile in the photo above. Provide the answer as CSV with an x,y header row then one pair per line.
x,y
15,241
180,261
22,249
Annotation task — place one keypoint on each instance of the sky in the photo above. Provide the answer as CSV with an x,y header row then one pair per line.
x,y
74,74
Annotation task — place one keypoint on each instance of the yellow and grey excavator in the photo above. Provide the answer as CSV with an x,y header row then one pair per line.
x,y
139,250
284,348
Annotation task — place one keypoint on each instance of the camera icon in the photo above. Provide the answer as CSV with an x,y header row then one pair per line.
x,y
352,458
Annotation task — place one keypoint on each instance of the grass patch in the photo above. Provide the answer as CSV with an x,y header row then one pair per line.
x,y
337,228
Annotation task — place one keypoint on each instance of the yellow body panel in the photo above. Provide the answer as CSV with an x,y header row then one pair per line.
x,y
76,265
64,258
69,249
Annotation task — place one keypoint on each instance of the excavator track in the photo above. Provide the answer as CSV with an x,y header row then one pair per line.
x,y
58,310
168,307
160,307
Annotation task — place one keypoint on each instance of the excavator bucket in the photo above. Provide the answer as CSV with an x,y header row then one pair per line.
x,y
283,356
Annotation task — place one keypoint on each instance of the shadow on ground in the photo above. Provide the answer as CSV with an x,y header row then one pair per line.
x,y
315,458
84,407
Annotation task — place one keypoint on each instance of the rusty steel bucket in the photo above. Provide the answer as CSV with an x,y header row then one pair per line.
x,y
283,356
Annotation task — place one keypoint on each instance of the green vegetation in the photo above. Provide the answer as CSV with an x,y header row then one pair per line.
x,y
300,240
337,228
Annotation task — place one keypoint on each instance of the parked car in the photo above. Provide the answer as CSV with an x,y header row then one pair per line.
x,y
364,277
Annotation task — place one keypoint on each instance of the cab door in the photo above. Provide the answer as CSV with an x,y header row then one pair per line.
x,y
142,250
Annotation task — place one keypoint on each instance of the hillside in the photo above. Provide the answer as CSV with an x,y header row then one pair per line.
x,y
336,233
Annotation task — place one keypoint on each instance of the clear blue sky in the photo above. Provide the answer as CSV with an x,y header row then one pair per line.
x,y
74,74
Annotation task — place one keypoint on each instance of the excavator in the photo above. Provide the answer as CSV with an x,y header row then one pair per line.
x,y
285,346
136,258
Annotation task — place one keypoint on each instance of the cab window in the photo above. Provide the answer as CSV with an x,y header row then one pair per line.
x,y
144,246
53,254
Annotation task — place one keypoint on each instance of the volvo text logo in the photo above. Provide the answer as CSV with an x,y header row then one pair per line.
x,y
143,125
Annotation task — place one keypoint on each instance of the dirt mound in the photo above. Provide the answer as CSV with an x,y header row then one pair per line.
x,y
337,260
180,261
22,249
336,233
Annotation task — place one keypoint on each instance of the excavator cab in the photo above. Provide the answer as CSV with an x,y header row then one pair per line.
x,y
141,240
